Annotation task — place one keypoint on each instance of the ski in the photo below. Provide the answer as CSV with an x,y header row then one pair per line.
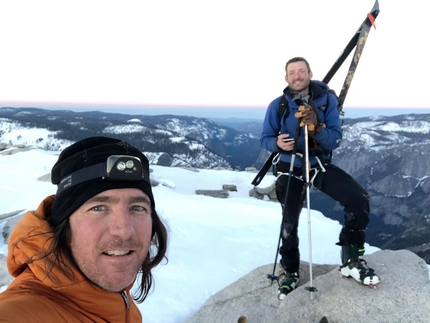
x,y
263,170
358,41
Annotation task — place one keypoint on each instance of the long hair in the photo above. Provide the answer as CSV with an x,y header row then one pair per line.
x,y
61,254
159,243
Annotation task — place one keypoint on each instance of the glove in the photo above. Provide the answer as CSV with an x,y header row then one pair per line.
x,y
308,117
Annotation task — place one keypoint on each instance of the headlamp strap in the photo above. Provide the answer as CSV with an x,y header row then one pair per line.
x,y
80,176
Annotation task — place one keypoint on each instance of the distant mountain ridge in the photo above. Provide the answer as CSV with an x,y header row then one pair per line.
x,y
388,156
181,140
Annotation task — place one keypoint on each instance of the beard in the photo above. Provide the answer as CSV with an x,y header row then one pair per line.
x,y
299,88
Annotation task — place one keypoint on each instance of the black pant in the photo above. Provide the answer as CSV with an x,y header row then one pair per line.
x,y
337,184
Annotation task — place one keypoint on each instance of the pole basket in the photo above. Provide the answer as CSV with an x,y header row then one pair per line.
x,y
272,278
311,289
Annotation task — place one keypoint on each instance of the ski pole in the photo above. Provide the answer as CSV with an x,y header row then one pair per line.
x,y
308,207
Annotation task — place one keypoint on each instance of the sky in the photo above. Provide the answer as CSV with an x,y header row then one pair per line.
x,y
202,229
218,54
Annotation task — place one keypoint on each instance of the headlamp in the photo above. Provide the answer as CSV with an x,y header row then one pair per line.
x,y
116,168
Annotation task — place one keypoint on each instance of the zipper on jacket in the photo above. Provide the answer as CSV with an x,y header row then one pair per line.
x,y
127,304
125,297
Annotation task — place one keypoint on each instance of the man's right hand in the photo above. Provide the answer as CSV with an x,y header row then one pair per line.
x,y
285,145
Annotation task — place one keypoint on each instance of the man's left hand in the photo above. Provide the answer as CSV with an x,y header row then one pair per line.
x,y
308,117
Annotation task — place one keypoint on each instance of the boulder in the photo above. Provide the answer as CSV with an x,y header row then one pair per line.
x,y
229,187
213,193
261,192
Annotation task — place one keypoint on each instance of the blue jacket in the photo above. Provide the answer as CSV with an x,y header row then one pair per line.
x,y
328,139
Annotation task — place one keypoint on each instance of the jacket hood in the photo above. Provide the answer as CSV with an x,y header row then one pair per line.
x,y
27,242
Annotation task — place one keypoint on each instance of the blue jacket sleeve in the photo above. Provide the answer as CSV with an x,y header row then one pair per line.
x,y
271,127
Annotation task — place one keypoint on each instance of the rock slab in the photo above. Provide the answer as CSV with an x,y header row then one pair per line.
x,y
403,295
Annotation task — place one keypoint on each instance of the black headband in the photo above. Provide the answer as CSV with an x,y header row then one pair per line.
x,y
116,168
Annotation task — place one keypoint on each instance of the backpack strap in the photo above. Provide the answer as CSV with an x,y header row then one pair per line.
x,y
283,108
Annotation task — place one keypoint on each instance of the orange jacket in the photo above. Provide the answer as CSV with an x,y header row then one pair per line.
x,y
33,297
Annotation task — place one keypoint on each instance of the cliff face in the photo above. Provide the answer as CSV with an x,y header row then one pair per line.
x,y
389,157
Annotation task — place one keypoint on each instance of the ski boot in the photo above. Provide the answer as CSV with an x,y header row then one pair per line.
x,y
287,283
357,268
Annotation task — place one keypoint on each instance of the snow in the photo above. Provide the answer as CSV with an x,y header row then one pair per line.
x,y
212,242
177,139
124,129
20,135
414,126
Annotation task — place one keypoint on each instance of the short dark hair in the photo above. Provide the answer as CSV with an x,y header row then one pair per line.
x,y
60,254
298,59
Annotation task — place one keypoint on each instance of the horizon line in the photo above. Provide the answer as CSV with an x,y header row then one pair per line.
x,y
213,113
108,105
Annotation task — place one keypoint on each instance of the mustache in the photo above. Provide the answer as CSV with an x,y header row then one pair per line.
x,y
116,244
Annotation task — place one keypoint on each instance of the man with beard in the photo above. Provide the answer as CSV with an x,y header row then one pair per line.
x,y
77,256
312,104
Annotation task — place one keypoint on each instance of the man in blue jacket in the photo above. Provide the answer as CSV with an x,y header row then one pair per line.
x,y
321,115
